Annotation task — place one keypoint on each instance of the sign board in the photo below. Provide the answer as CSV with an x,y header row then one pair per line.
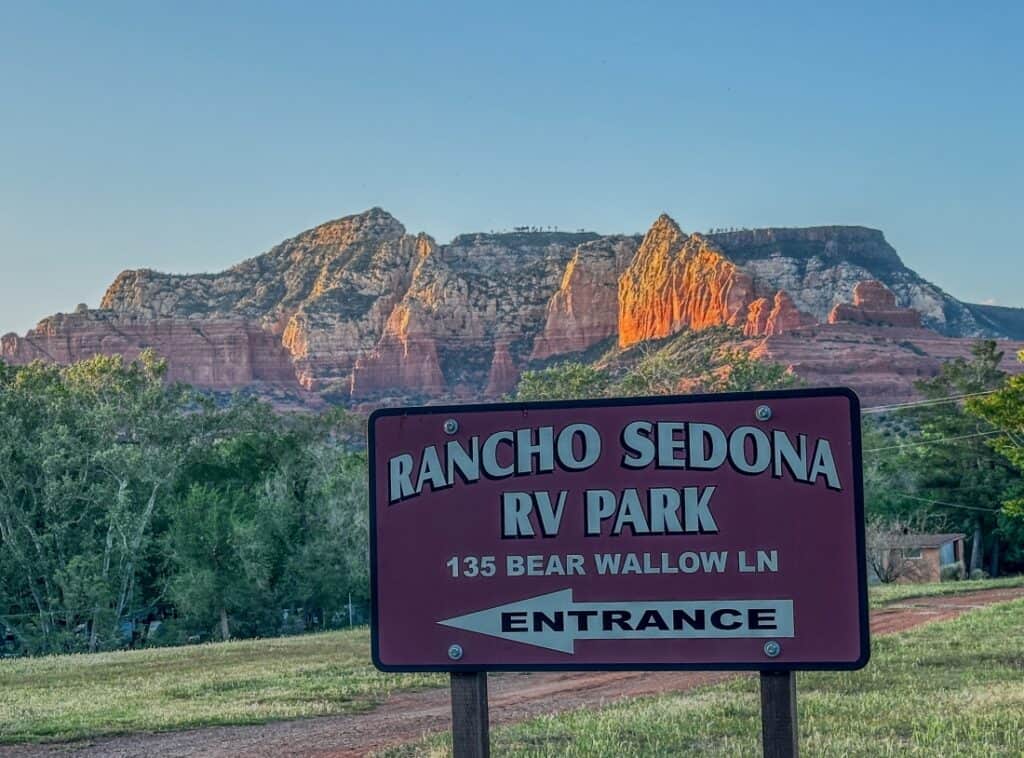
x,y
702,532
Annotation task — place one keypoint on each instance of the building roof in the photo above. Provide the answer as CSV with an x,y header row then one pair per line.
x,y
920,540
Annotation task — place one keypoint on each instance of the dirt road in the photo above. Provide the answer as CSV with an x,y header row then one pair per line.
x,y
513,697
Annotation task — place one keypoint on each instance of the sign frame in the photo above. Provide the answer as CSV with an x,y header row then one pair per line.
x,y
767,665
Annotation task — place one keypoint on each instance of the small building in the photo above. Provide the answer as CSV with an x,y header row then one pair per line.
x,y
918,558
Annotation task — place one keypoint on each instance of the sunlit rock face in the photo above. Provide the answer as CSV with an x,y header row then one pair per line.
x,y
221,353
585,309
772,316
360,311
678,281
785,316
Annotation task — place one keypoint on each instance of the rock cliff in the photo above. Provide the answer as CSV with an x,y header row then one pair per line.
x,y
221,353
361,311
585,309
820,266
880,362
678,281
874,304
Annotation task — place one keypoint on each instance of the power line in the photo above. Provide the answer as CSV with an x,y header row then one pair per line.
x,y
933,442
943,502
75,612
917,403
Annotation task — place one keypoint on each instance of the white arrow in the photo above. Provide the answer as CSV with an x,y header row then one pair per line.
x,y
555,622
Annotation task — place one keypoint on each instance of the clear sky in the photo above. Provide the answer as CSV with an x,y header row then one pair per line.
x,y
186,137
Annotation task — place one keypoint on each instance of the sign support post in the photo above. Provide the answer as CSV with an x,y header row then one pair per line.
x,y
470,728
778,714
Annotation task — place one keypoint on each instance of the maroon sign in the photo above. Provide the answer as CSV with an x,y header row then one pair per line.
x,y
710,532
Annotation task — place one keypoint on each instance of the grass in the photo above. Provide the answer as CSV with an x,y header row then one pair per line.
x,y
885,594
245,682
950,688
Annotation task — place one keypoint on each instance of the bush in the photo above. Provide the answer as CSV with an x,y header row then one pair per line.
x,y
979,574
952,572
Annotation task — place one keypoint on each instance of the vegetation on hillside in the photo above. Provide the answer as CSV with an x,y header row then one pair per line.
x,y
687,363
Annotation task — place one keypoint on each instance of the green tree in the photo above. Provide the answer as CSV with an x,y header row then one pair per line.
x,y
941,463
328,561
87,452
206,537
123,496
564,381
1003,410
744,373
887,475
286,524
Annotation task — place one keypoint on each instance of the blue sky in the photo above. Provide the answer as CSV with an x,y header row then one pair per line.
x,y
186,137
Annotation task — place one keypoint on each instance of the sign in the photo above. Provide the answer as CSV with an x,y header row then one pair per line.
x,y
699,532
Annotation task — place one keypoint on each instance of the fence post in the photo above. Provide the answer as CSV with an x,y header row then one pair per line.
x,y
470,729
778,714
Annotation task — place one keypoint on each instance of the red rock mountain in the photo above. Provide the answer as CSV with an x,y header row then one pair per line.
x,y
678,281
359,311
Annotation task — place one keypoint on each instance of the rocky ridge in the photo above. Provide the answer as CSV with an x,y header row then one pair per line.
x,y
874,304
360,311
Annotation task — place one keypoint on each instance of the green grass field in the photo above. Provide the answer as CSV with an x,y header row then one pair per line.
x,y
245,682
950,688
885,594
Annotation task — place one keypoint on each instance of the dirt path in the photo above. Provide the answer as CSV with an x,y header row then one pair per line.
x,y
514,697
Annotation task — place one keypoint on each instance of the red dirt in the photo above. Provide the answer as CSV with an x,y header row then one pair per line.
x,y
406,717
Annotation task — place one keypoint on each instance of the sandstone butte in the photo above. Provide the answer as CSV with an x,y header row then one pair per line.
x,y
358,311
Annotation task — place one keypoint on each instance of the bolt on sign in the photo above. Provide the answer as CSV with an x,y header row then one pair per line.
x,y
701,532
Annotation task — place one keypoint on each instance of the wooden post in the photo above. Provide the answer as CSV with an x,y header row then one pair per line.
x,y
470,729
778,714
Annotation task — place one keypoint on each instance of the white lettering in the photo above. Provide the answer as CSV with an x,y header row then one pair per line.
x,y
431,471
700,435
668,444
824,465
515,514
491,465
543,450
591,441
738,450
400,477
640,449
600,504
550,517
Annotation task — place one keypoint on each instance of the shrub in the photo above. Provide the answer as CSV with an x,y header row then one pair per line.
x,y
952,572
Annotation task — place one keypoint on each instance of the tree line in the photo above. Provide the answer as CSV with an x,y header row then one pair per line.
x,y
132,508
137,511
953,461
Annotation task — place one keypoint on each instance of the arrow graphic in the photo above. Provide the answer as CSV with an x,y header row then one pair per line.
x,y
555,622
